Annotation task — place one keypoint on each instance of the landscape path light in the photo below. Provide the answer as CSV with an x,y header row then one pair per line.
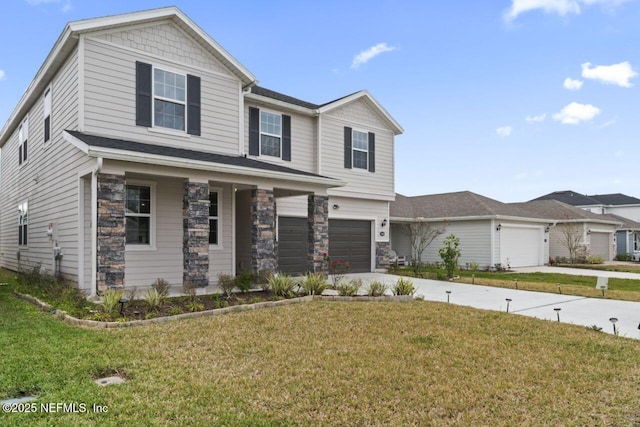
x,y
122,302
448,293
613,320
516,282
508,300
557,310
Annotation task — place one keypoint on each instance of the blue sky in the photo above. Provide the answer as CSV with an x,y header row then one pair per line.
x,y
511,99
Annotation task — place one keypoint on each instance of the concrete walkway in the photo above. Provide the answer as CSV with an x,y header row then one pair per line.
x,y
573,309
576,272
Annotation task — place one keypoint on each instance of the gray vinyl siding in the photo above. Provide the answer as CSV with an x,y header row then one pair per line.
x,y
303,139
49,181
86,222
360,183
243,231
110,79
221,258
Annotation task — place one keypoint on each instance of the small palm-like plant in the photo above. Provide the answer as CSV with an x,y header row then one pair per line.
x,y
314,283
282,285
403,287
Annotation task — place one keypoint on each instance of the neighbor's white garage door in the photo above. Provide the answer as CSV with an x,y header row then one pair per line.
x,y
600,245
521,246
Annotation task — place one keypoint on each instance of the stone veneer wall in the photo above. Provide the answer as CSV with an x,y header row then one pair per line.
x,y
263,221
111,230
382,255
318,210
195,239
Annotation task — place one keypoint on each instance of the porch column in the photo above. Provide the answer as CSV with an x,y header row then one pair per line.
x,y
382,255
195,238
263,221
110,231
318,211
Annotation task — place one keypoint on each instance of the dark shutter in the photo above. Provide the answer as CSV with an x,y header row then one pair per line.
x,y
24,150
347,147
193,105
286,137
143,94
20,154
254,131
47,128
372,152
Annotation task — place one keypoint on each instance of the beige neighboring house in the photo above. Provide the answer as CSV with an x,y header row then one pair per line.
x,y
490,232
597,231
142,149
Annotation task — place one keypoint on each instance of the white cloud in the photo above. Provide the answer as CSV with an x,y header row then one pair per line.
x,y
536,119
616,74
559,7
607,123
2,75
575,113
504,131
366,55
571,84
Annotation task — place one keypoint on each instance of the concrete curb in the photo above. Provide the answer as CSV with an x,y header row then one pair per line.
x,y
215,312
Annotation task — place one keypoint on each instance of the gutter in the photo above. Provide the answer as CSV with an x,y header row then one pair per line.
x,y
94,226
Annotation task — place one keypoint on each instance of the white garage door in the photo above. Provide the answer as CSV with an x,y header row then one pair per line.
x,y
521,246
600,245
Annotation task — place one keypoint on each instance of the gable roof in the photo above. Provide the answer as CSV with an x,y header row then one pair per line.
x,y
463,204
118,149
259,90
68,39
559,211
575,199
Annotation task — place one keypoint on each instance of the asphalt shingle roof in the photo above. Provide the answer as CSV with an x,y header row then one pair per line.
x,y
258,90
182,153
575,199
557,210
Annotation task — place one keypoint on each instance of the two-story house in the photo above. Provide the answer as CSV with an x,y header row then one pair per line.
x,y
142,150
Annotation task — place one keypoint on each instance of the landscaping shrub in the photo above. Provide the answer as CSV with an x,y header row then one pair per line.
x,y
110,300
403,287
282,285
226,283
314,283
348,288
153,298
244,280
189,289
623,257
162,286
376,289
473,266
450,253
594,260
195,306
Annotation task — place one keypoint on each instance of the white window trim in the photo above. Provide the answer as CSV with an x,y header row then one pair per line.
x,y
22,138
20,224
49,91
162,98
152,215
353,148
219,246
275,113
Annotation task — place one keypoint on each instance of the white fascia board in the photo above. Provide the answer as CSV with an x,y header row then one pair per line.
x,y
281,104
473,218
154,159
395,126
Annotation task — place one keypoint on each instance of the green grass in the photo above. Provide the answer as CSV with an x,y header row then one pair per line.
x,y
627,268
323,363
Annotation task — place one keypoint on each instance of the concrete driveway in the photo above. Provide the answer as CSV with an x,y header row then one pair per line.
x,y
573,309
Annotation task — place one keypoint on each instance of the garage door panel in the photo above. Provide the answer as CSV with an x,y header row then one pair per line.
x,y
599,245
521,246
293,235
350,240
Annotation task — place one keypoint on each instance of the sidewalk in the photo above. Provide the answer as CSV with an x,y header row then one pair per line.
x,y
573,309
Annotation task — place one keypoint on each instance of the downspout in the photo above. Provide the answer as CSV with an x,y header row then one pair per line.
x,y
94,227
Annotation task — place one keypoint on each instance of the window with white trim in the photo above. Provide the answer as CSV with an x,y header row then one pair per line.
x,y
270,134
47,115
169,99
23,221
360,146
23,137
214,218
138,215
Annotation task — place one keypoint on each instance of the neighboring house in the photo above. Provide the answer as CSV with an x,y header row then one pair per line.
x,y
490,232
142,149
596,231
628,236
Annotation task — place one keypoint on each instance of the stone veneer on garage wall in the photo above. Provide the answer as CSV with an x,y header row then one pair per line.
x,y
382,255
318,210
111,230
263,221
195,239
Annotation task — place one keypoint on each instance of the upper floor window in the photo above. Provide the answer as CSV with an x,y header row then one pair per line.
x,y
47,115
270,133
359,149
169,99
214,219
138,215
23,220
23,136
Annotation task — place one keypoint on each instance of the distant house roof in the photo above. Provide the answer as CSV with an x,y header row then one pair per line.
x,y
576,199
259,90
463,204
559,211
98,146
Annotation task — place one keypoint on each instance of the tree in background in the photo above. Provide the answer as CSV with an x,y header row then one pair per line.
x,y
421,234
450,254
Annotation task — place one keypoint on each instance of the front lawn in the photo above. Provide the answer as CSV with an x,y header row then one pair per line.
x,y
322,363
